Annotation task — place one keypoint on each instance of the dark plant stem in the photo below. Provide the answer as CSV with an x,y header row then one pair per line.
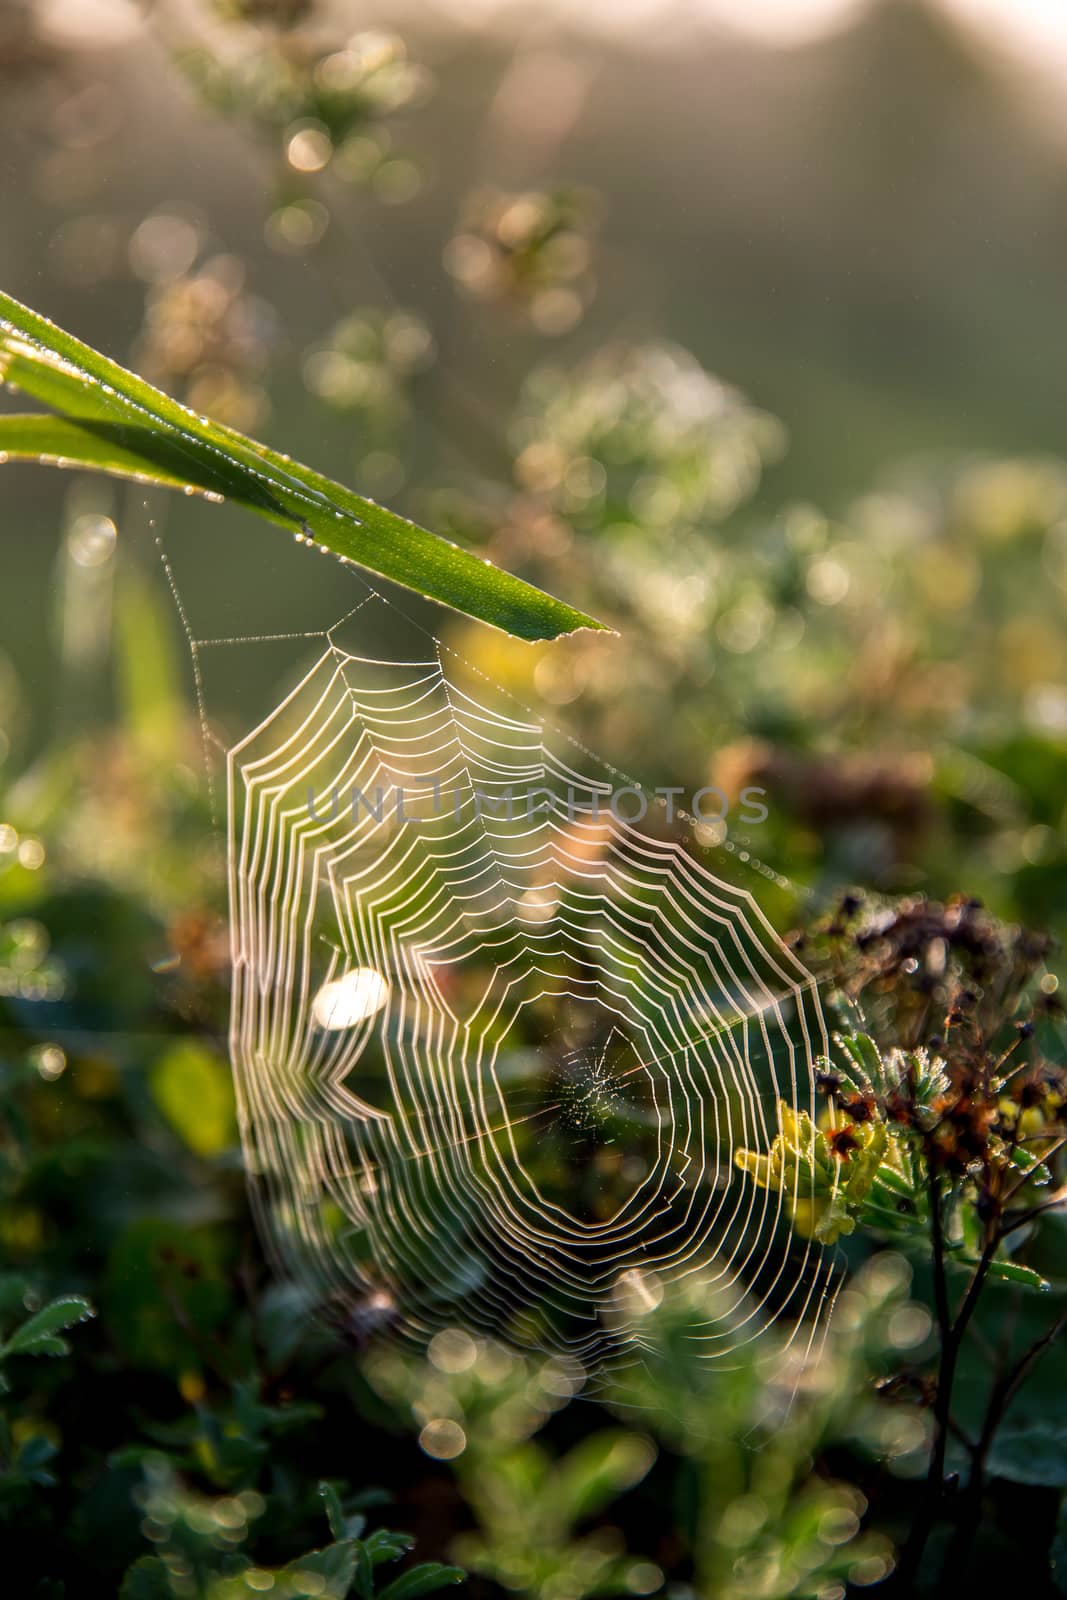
x,y
951,1333
937,1232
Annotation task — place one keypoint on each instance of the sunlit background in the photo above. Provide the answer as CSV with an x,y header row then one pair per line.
x,y
1030,27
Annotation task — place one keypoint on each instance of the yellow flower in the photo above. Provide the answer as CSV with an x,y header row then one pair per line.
x,y
824,1175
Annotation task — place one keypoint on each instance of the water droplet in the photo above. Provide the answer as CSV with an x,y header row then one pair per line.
x,y
351,999
91,540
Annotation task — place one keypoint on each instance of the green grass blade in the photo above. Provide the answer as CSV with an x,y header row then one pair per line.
x,y
57,441
116,422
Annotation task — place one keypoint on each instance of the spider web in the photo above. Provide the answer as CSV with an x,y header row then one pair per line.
x,y
495,1047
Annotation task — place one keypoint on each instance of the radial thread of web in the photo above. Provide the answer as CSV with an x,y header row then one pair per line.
x,y
495,1047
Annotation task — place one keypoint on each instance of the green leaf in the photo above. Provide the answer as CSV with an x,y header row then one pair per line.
x,y
194,1091
334,1514
336,1565
58,441
1030,1452
342,1526
864,1055
364,1579
895,1181
147,1579
592,1474
385,1545
421,1580
37,1334
1014,1272
34,1452
50,1344
112,421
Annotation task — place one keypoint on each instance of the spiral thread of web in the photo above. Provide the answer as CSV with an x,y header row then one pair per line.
x,y
495,1047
